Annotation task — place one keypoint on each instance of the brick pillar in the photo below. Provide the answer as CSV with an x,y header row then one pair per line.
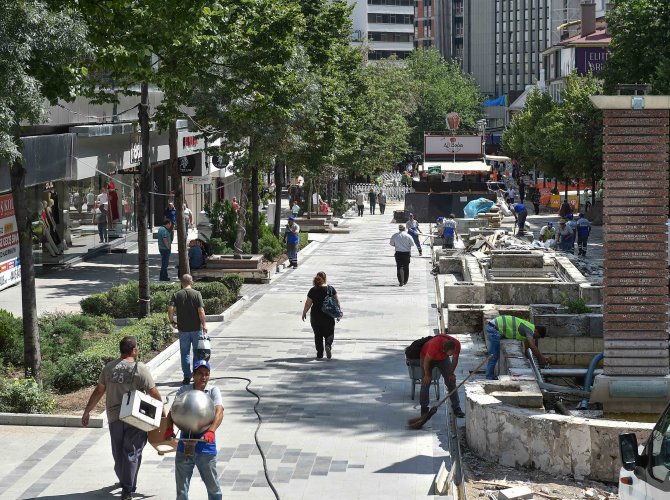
x,y
635,166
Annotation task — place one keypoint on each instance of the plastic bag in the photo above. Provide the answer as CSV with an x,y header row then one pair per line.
x,y
477,206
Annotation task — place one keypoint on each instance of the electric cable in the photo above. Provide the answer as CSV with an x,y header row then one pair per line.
x,y
102,118
260,421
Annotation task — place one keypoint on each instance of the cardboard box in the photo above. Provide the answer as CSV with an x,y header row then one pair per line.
x,y
141,410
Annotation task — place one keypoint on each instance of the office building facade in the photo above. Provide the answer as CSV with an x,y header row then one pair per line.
x,y
386,27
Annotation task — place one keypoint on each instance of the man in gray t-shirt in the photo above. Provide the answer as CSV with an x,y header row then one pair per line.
x,y
117,378
191,322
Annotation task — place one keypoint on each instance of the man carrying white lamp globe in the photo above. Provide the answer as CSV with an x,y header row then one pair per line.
x,y
198,418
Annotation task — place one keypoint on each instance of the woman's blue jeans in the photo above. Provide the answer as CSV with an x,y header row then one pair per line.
x,y
493,336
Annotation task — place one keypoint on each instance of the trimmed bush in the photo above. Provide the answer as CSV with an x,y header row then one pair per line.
x,y
11,339
65,334
121,301
79,370
234,283
72,372
25,396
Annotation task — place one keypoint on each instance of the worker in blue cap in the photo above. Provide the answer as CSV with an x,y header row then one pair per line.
x,y
583,232
414,231
520,214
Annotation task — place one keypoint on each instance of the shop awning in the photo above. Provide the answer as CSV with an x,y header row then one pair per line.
x,y
458,167
497,158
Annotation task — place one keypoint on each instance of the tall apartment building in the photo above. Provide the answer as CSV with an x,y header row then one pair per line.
x,y
524,29
433,25
386,26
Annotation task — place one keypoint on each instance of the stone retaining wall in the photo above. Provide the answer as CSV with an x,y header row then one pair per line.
x,y
519,437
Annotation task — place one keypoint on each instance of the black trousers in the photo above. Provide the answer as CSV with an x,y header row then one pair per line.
x,y
581,243
382,208
324,330
402,266
536,206
360,210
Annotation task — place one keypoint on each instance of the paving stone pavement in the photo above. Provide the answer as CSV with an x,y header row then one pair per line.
x,y
332,429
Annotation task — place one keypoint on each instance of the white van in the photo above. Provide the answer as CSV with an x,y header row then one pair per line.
x,y
645,474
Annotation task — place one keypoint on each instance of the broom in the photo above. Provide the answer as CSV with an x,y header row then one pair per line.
x,y
418,423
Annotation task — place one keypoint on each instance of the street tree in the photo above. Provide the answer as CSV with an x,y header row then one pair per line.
x,y
42,50
250,87
440,87
578,128
640,48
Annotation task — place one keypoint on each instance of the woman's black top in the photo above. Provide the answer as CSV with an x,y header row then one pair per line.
x,y
318,295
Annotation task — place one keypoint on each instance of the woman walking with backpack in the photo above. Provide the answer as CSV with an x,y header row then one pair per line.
x,y
324,306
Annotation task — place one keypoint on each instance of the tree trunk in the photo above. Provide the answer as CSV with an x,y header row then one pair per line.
x,y
182,250
577,191
276,229
242,215
342,187
142,189
593,189
255,215
566,189
32,356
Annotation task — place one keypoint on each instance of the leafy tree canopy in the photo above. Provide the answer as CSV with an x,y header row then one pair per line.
x,y
640,47
41,54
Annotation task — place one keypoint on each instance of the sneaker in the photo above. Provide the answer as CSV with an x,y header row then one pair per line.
x,y
186,381
126,495
459,413
329,353
319,358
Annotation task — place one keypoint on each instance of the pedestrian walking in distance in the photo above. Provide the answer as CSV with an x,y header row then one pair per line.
x,y
117,379
372,199
403,252
414,231
381,199
191,322
511,328
205,452
436,353
323,325
360,203
583,232
292,237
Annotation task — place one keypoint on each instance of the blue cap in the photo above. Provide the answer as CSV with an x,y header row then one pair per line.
x,y
291,218
200,363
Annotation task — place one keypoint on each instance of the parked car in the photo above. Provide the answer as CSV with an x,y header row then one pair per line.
x,y
645,474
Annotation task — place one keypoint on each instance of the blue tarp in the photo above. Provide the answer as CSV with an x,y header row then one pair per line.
x,y
498,101
477,206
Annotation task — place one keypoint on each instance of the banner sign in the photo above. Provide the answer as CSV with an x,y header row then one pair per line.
x,y
590,59
10,269
443,146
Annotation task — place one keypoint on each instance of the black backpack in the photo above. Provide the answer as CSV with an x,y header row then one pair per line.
x,y
413,351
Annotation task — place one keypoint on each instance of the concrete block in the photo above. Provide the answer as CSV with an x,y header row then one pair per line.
x,y
464,318
453,265
464,292
590,293
565,344
510,259
516,493
583,344
595,325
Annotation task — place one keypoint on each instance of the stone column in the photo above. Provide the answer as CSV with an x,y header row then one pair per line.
x,y
635,163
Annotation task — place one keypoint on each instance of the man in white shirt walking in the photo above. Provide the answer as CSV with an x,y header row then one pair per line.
x,y
403,251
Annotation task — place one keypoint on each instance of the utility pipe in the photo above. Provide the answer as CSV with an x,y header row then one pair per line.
x,y
566,372
589,378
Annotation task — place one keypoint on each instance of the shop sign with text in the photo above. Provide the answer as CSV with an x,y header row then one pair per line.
x,y
10,269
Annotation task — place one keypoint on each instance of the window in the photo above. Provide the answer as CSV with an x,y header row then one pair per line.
x,y
402,3
376,55
660,448
391,18
376,36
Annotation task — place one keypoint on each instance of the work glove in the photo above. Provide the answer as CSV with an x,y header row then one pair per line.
x,y
169,433
208,436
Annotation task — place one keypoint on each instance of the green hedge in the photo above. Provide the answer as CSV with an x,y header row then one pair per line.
x,y
11,339
77,370
25,396
122,301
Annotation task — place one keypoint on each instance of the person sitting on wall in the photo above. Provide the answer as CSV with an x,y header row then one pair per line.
x,y
196,257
